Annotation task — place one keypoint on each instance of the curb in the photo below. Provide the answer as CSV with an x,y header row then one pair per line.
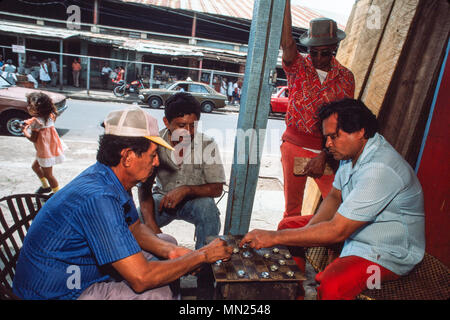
x,y
120,100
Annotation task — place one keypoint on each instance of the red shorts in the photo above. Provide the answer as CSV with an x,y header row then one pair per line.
x,y
346,277
294,186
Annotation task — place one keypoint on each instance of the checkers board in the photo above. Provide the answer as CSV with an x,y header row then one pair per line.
x,y
252,274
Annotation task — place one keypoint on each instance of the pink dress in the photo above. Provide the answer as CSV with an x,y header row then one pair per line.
x,y
49,148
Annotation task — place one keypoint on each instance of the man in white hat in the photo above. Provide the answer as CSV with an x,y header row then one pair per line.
x,y
313,80
87,241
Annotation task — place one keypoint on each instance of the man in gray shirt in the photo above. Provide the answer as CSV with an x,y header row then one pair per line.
x,y
187,179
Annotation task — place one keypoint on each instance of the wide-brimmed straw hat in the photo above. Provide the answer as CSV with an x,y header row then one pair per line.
x,y
322,32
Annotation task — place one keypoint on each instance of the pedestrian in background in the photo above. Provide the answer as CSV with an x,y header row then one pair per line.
x,y
54,70
106,70
9,71
40,129
44,75
76,70
223,86
230,91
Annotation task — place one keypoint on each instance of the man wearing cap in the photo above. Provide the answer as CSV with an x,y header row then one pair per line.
x,y
87,241
313,81
188,180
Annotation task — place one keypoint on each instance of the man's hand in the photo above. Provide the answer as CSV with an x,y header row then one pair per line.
x,y
174,197
258,239
178,252
217,250
316,166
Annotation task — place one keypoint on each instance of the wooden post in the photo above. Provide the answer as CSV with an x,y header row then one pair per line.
x,y
263,48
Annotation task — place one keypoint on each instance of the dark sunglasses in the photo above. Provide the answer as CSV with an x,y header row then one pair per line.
x,y
324,53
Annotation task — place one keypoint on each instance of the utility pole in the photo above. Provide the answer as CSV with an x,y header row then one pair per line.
x,y
95,12
260,77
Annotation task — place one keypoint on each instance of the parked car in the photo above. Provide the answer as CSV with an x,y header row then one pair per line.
x,y
13,106
279,100
208,98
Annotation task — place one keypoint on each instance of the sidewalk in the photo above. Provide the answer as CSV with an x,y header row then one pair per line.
x,y
108,96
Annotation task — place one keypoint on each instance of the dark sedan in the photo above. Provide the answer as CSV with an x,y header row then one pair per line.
x,y
208,98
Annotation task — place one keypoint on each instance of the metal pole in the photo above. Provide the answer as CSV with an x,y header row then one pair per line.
x,y
200,66
264,44
152,70
88,80
61,72
211,78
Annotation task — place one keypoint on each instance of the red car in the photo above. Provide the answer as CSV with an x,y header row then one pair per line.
x,y
279,100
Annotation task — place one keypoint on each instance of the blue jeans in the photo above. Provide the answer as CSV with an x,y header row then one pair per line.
x,y
201,212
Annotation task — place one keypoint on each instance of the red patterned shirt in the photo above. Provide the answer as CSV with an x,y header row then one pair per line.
x,y
307,94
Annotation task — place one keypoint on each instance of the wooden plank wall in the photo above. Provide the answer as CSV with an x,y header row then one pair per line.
x,y
406,105
395,49
395,58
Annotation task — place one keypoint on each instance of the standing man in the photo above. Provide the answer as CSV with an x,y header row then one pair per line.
x,y
313,81
223,86
106,70
230,92
189,178
54,69
375,206
87,241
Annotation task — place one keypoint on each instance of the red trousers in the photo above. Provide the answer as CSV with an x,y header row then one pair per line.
x,y
294,186
344,278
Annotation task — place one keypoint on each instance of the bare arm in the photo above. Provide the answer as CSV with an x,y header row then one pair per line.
x,y
319,234
148,241
175,196
328,207
287,40
142,274
30,136
147,204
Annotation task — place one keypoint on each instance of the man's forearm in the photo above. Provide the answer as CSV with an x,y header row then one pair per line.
x,y
148,240
319,234
328,208
147,207
211,190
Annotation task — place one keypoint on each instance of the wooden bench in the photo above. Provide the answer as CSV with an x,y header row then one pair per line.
x,y
429,280
16,215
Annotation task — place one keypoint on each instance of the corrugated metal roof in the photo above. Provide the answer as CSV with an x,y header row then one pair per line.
x,y
122,42
231,8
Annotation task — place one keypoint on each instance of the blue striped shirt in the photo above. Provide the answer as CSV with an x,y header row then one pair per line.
x,y
383,190
77,233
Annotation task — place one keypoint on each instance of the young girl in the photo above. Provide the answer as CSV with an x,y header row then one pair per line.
x,y
40,130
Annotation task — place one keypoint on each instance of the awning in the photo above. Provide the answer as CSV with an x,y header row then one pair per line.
x,y
36,31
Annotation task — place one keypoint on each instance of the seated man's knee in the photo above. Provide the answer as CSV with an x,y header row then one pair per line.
x,y
205,208
167,237
328,288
